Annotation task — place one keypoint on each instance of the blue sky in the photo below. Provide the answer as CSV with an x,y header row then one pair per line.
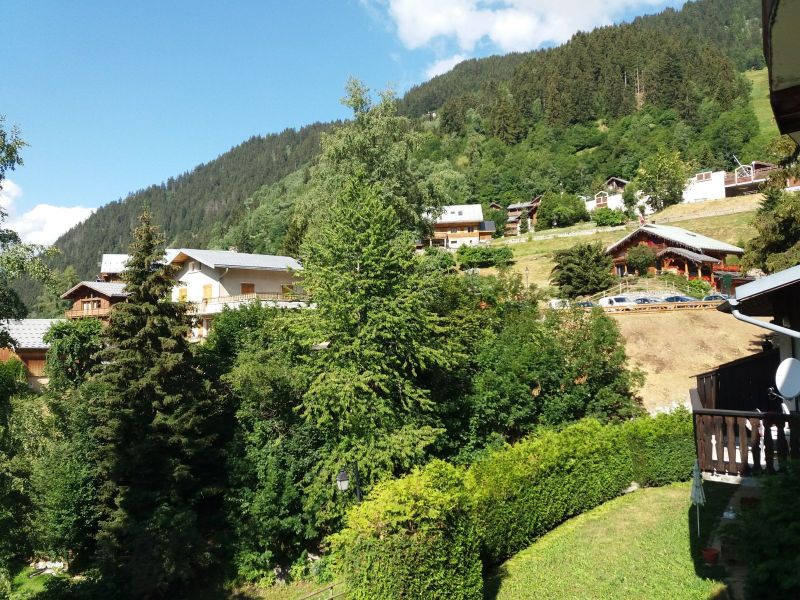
x,y
115,96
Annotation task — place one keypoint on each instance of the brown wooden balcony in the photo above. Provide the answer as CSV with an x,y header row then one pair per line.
x,y
740,428
79,313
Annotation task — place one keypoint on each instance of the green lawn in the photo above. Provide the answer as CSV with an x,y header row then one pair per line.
x,y
23,586
642,545
761,105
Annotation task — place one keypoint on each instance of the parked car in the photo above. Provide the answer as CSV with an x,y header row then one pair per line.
x,y
679,299
648,300
584,304
615,301
558,303
715,298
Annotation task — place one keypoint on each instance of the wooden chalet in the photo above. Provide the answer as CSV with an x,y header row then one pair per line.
x,y
682,252
93,299
29,347
615,185
459,225
519,211
741,426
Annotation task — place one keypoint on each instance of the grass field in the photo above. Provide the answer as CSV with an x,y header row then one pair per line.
x,y
761,105
642,545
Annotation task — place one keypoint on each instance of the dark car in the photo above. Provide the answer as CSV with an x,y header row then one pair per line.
x,y
679,299
715,298
646,300
584,304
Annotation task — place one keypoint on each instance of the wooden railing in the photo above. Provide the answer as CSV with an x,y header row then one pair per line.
x,y
758,175
742,443
274,296
334,590
77,313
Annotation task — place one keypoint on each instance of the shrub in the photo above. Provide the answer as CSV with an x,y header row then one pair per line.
x,y
605,217
561,210
768,538
662,448
470,257
522,492
581,270
413,538
640,258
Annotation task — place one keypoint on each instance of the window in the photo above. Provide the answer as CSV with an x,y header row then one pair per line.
x,y
470,229
207,292
248,288
704,176
193,266
454,230
89,305
182,294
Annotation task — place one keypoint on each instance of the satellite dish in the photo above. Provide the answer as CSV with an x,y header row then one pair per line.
x,y
787,378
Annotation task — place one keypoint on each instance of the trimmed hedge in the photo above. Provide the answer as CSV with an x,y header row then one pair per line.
x,y
522,492
413,538
662,448
422,536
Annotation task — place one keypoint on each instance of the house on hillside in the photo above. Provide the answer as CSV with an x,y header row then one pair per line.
x,y
705,185
520,211
682,252
29,347
741,426
746,179
459,225
214,279
112,265
93,298
611,197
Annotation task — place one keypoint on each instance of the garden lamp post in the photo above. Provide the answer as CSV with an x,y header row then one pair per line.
x,y
343,481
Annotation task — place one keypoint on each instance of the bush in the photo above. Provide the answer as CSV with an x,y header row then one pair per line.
x,y
640,258
662,448
768,538
581,270
561,210
470,257
413,538
605,217
522,492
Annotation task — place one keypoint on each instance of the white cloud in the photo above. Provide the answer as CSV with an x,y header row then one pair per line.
x,y
444,65
44,223
510,25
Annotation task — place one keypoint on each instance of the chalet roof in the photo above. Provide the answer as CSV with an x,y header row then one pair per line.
x,y
520,205
693,256
512,219
680,237
227,259
460,213
486,226
755,298
611,180
29,333
104,288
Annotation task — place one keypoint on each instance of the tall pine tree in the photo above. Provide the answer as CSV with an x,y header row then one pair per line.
x,y
155,445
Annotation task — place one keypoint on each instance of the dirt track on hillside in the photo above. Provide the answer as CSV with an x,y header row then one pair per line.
x,y
673,347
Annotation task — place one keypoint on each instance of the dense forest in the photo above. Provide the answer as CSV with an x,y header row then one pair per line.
x,y
501,129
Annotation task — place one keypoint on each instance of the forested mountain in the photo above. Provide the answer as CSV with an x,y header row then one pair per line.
x,y
506,127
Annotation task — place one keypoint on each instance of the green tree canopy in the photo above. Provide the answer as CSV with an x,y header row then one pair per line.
x,y
582,270
662,177
640,258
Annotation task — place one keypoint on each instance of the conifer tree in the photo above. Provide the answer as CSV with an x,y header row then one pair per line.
x,y
155,448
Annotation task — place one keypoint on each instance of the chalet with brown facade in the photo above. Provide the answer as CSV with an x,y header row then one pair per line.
x,y
29,347
521,211
682,252
94,298
460,225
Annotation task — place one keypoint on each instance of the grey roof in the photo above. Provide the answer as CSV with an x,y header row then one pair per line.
x,y
520,205
512,219
29,333
694,256
681,237
612,178
105,288
227,259
753,298
457,213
